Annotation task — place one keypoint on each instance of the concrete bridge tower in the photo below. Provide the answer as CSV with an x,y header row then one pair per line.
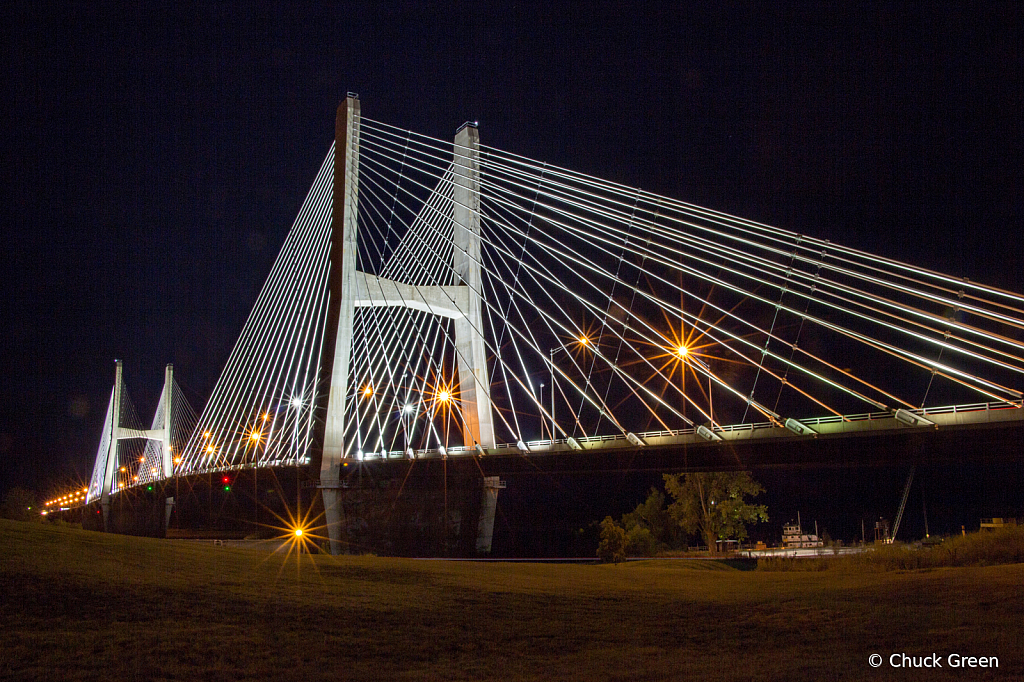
x,y
350,289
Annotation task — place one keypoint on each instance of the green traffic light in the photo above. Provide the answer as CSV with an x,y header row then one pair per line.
x,y
227,487
149,487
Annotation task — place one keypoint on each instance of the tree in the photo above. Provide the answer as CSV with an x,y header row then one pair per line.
x,y
713,505
20,505
649,528
613,541
640,542
649,514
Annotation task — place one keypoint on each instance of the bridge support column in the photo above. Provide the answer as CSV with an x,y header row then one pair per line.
x,y
341,309
165,444
488,504
110,467
474,382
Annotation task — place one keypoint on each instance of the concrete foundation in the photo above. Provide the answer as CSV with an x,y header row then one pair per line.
x,y
141,514
435,509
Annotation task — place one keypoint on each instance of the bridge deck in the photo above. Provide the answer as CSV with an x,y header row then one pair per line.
x,y
976,415
745,444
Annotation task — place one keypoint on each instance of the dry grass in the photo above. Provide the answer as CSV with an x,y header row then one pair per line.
x,y
76,605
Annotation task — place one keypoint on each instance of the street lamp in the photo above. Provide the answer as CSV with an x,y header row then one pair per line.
x,y
407,409
686,355
583,341
296,404
542,410
551,366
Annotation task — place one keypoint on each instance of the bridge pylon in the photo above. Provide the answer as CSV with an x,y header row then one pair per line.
x,y
350,289
159,463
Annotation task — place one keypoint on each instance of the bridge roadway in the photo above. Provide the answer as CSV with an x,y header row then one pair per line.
x,y
976,432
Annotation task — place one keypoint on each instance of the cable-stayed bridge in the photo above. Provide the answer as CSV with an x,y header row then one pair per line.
x,y
439,299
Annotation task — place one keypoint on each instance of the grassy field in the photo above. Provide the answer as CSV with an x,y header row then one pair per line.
x,y
76,605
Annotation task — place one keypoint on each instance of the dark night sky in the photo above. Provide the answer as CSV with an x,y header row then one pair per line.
x,y
154,158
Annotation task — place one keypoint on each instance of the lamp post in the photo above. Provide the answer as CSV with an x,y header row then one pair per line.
x,y
407,409
542,410
707,370
583,341
551,365
296,404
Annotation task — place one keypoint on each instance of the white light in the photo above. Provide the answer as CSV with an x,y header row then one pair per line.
x,y
296,402
409,408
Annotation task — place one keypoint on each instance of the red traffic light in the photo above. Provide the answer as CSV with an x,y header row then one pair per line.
x,y
226,479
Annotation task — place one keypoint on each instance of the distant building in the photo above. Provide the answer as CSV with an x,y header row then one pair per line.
x,y
726,546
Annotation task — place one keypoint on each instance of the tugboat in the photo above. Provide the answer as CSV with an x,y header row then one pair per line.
x,y
793,536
